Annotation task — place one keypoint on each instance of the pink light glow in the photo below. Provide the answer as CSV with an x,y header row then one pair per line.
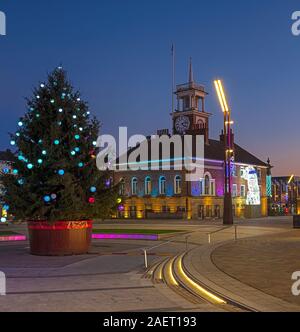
x,y
149,237
12,238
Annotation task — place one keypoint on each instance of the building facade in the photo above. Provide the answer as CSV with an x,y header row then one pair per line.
x,y
285,195
6,167
167,194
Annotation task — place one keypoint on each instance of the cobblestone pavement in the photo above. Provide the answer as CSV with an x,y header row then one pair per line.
x,y
265,262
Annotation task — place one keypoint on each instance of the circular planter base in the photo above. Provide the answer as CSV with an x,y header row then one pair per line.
x,y
61,238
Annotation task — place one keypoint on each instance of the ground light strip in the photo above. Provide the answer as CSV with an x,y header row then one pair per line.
x,y
170,272
194,285
12,238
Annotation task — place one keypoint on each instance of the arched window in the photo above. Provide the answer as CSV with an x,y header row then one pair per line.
x,y
148,185
177,185
134,183
162,185
206,185
122,187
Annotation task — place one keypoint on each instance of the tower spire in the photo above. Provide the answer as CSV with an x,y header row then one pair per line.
x,y
191,75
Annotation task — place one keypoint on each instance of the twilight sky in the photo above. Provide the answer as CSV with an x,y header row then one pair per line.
x,y
117,53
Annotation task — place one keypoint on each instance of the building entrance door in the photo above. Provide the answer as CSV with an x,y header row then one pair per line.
x,y
133,212
201,212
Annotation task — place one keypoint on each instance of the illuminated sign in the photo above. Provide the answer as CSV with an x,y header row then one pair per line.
x,y
253,194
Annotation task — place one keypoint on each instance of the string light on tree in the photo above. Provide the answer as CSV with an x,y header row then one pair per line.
x,y
93,189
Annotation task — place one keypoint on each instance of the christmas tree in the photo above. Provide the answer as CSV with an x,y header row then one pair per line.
x,y
55,175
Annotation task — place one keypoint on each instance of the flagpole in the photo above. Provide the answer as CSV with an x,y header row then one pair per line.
x,y
173,76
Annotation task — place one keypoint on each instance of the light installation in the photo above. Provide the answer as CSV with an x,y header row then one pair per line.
x,y
253,194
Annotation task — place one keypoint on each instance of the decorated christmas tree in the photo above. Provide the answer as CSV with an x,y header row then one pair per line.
x,y
55,176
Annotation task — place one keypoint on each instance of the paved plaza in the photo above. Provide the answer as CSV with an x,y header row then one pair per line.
x,y
111,277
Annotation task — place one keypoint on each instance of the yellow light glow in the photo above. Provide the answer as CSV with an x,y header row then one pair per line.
x,y
223,95
194,285
291,178
219,96
170,272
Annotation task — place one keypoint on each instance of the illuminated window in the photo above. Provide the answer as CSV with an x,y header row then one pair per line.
x,y
212,187
234,190
201,187
122,187
206,185
243,190
134,182
162,185
177,185
148,186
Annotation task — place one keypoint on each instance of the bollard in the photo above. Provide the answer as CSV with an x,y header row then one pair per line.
x,y
235,232
146,259
2,284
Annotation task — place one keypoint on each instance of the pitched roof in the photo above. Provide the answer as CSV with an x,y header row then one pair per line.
x,y
215,151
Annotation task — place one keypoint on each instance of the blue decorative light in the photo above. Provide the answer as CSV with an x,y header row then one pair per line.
x,y
88,113
42,85
30,166
74,117
73,153
61,172
47,198
80,164
95,143
37,115
56,142
5,170
77,137
15,171
78,99
38,97
12,142
6,207
20,123
40,161
44,152
77,149
20,181
17,134
3,219
52,101
59,123
81,129
40,141
60,110
21,158
93,189
53,196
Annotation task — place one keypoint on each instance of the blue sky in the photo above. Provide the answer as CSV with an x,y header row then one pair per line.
x,y
117,53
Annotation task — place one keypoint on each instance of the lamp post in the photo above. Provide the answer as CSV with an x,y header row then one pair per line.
x,y
228,153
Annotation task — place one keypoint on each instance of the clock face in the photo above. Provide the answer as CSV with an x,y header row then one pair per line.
x,y
182,124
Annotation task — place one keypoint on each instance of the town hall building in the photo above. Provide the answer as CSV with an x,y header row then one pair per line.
x,y
165,194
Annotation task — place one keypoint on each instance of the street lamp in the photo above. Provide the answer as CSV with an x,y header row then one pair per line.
x,y
228,153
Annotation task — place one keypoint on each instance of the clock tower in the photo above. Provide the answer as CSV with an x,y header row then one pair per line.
x,y
190,116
